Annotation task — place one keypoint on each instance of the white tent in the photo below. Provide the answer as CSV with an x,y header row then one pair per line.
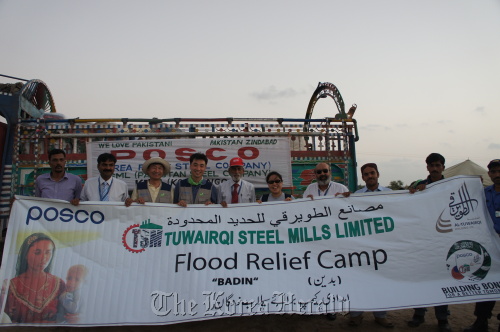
x,y
468,168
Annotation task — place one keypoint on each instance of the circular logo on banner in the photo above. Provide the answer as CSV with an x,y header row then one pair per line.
x,y
129,239
136,238
468,261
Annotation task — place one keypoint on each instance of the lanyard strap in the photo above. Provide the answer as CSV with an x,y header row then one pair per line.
x,y
109,189
326,192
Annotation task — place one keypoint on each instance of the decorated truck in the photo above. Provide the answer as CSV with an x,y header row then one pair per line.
x,y
292,146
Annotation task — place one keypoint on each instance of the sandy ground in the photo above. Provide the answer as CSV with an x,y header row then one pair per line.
x,y
461,317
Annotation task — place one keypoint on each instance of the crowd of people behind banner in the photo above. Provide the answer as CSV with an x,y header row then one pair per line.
x,y
59,184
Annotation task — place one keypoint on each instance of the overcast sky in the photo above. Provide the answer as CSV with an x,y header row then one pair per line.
x,y
425,74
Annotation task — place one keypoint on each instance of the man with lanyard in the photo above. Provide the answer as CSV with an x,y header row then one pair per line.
x,y
195,189
58,184
237,190
324,186
370,174
492,193
435,167
104,187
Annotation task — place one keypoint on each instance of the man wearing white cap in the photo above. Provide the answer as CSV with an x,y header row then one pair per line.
x,y
236,190
153,190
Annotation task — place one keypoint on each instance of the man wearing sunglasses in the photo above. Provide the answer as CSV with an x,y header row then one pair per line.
x,y
324,186
236,190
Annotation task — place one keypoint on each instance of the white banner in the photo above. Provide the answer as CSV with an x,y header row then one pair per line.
x,y
161,264
260,155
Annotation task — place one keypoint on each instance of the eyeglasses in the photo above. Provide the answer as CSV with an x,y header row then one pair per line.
x,y
274,181
319,171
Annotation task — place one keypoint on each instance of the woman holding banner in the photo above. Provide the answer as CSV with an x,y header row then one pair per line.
x,y
34,292
275,183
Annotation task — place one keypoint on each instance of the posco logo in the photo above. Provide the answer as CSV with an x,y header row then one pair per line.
x,y
463,255
35,213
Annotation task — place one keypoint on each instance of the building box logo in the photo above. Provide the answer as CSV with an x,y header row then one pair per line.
x,y
468,261
137,238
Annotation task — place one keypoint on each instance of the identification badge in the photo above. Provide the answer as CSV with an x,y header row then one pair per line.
x,y
497,214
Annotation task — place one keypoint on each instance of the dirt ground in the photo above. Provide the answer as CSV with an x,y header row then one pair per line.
x,y
461,317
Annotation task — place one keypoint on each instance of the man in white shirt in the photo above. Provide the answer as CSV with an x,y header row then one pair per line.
x,y
324,186
236,190
105,188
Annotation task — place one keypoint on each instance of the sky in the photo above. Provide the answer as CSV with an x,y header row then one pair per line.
x,y
424,74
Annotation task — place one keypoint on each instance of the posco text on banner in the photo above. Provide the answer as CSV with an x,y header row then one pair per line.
x,y
260,155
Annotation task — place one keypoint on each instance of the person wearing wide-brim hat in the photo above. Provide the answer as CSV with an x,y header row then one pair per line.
x,y
153,190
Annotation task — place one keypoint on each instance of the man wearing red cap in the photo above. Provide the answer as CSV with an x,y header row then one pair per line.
x,y
236,190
